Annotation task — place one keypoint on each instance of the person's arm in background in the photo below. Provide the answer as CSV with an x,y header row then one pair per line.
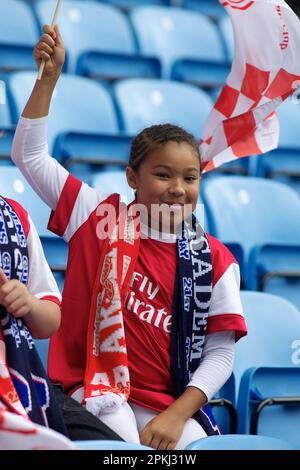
x,y
41,316
37,302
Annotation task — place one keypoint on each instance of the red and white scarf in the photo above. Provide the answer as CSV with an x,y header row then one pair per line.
x,y
265,71
106,384
19,433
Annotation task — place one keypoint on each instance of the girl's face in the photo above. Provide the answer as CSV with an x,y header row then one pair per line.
x,y
167,184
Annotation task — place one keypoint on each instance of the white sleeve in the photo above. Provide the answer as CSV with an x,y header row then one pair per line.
x,y
216,363
41,282
30,153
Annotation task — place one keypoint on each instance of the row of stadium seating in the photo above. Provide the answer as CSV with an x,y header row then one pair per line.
x,y
169,38
223,442
263,394
259,220
211,8
103,43
91,127
90,132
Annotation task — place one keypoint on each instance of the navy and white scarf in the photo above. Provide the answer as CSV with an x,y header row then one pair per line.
x,y
25,368
192,297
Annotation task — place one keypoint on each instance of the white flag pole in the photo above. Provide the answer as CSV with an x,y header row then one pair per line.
x,y
54,22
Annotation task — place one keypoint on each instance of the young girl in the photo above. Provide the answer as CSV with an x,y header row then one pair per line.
x,y
149,320
29,306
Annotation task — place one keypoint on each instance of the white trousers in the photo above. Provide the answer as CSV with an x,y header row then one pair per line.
x,y
129,421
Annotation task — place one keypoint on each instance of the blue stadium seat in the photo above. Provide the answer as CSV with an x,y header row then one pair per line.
x,y
5,119
18,35
110,445
59,277
210,8
241,442
127,4
283,164
114,181
14,186
266,369
42,346
225,27
223,407
145,102
237,251
99,41
56,252
187,43
6,127
83,128
264,218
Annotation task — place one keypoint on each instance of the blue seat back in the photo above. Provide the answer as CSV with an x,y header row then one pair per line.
x,y
146,102
14,186
78,104
89,26
18,35
273,334
17,24
113,181
289,118
226,29
131,3
55,249
267,366
56,252
252,211
174,33
5,118
42,346
287,288
241,442
6,128
211,8
284,162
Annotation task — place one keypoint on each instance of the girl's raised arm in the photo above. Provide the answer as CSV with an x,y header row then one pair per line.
x,y
30,148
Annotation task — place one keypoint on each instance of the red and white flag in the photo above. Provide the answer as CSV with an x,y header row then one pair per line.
x,y
265,71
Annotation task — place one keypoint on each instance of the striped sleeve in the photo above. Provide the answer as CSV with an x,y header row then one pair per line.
x,y
76,203
60,217
225,312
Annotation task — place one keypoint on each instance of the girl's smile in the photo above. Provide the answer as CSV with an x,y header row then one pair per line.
x,y
167,184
